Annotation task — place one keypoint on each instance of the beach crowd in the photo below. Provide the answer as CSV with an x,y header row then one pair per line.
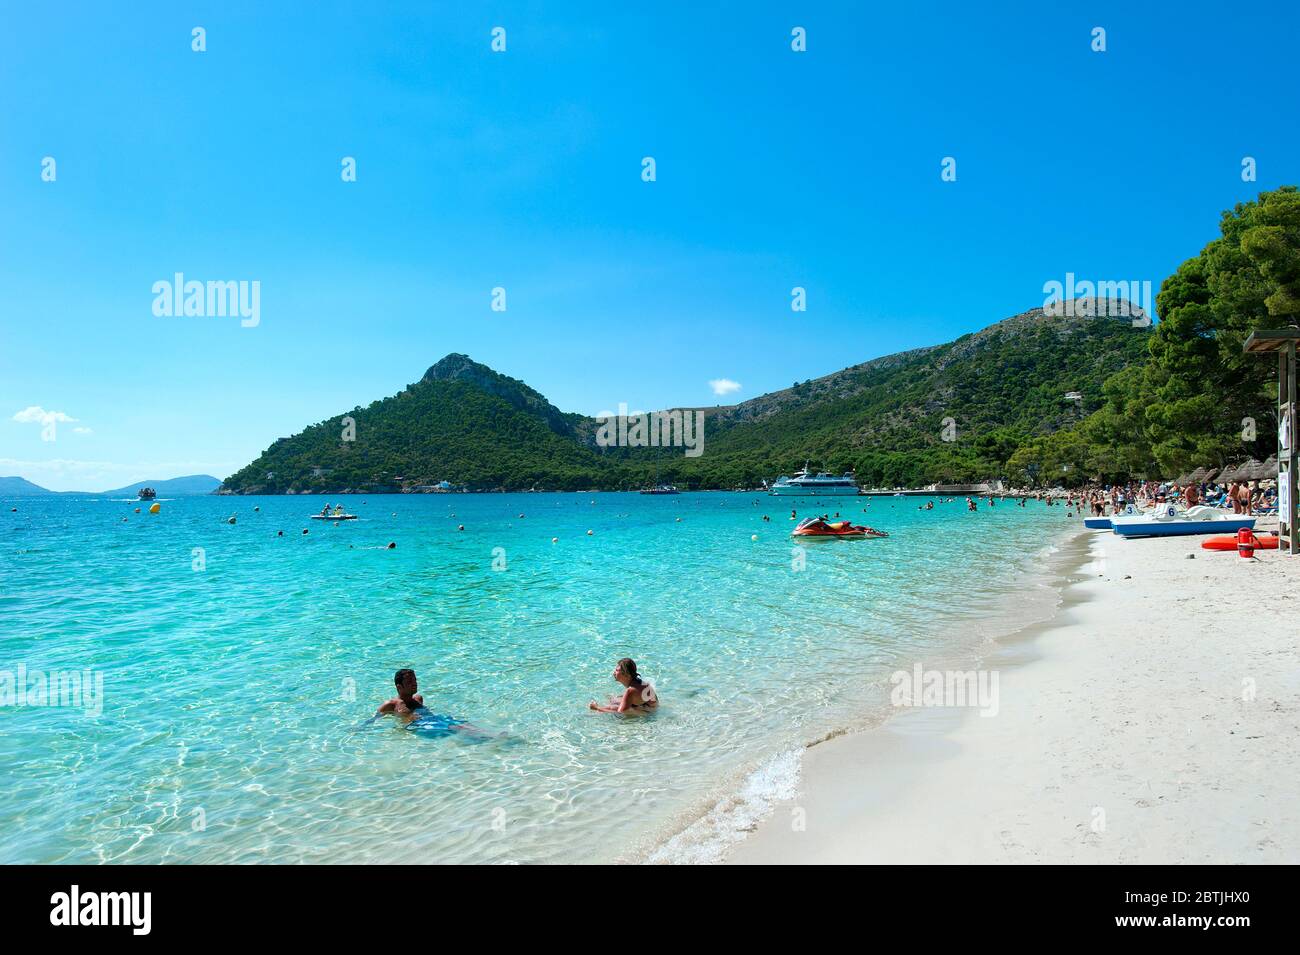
x,y
1241,497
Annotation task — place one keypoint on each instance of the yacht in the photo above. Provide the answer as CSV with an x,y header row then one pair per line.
x,y
806,483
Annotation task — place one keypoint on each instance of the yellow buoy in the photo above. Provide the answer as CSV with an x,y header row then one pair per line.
x,y
155,508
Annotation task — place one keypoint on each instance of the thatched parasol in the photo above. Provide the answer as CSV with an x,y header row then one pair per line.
x,y
1262,472
1245,472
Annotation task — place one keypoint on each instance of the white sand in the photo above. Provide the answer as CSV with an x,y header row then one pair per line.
x,y
1125,734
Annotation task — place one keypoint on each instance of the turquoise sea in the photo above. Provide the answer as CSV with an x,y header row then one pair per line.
x,y
240,668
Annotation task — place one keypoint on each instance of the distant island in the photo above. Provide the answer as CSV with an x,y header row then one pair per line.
x,y
171,487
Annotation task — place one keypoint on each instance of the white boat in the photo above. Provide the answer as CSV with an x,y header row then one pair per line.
x,y
807,484
1168,521
1103,523
660,489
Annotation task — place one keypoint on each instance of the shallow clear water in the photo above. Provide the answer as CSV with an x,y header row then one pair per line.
x,y
235,696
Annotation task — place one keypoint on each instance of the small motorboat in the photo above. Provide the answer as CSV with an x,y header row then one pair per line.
x,y
147,494
1168,521
816,527
334,517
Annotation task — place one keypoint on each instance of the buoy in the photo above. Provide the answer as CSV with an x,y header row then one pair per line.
x,y
230,519
590,533
304,530
753,537
521,516
1246,543
137,510
257,509
679,520
555,540
155,508
392,545
460,527
279,533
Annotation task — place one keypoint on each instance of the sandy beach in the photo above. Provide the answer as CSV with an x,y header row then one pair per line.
x,y
1153,719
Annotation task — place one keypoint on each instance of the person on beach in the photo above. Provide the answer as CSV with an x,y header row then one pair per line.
x,y
638,695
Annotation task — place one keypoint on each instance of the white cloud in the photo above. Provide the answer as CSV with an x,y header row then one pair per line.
x,y
38,415
724,386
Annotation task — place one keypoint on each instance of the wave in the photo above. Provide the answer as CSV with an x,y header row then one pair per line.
x,y
709,838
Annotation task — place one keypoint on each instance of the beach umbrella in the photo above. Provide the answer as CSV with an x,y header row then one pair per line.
x,y
1264,471
1243,471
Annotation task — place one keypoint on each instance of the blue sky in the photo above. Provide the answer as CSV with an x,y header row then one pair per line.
x,y
522,170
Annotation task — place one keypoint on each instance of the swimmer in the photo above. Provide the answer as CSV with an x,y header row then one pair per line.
x,y
638,695
407,700
410,708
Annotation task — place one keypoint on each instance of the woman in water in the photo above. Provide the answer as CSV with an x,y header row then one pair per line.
x,y
638,695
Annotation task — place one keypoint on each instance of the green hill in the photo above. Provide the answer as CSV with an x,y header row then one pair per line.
x,y
887,418
461,422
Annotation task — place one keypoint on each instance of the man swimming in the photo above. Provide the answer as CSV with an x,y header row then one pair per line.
x,y
409,707
407,700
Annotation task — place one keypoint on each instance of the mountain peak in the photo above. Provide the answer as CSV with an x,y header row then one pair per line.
x,y
456,366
